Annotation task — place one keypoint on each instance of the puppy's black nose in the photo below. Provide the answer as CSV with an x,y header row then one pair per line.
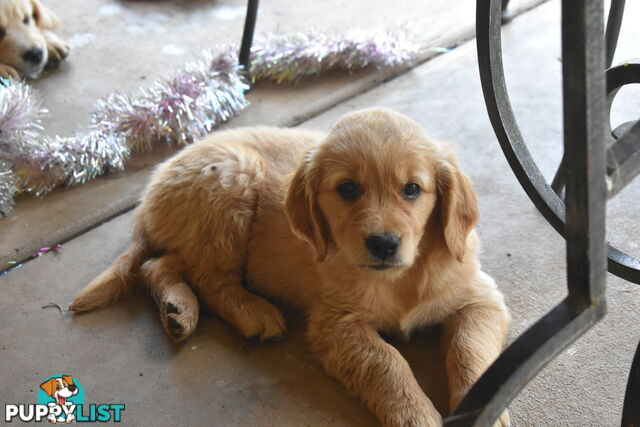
x,y
71,388
383,245
33,55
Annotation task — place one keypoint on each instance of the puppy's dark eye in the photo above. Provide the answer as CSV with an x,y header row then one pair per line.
x,y
411,191
349,190
3,33
58,387
26,20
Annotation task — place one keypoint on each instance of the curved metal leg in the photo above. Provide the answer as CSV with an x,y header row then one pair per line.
x,y
558,180
614,22
584,227
631,408
505,126
247,37
623,153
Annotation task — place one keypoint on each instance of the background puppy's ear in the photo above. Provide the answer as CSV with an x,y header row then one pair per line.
x,y
302,209
459,206
44,17
48,386
68,379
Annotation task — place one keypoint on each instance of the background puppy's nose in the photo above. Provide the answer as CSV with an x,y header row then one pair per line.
x,y
71,388
383,245
33,55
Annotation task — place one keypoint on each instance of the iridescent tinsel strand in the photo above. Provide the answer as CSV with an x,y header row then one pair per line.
x,y
302,55
7,189
20,113
178,110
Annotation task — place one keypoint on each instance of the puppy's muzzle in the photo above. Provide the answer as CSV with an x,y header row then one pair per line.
x,y
383,246
72,388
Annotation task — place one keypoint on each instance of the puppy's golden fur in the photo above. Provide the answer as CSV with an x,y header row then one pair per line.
x,y
266,204
27,45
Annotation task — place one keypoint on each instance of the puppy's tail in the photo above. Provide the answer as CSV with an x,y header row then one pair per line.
x,y
114,282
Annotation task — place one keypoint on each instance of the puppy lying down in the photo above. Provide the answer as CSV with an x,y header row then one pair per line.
x,y
27,45
367,228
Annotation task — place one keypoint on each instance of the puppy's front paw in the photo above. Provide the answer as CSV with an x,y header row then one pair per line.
x,y
57,50
262,320
7,72
422,413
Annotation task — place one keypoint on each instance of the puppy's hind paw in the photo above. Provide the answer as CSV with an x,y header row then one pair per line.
x,y
178,321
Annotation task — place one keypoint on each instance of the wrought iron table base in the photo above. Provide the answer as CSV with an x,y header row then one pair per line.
x,y
592,159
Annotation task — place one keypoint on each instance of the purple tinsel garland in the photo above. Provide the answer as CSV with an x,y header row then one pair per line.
x,y
197,98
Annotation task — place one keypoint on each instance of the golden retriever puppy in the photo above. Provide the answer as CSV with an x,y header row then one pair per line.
x,y
368,228
27,45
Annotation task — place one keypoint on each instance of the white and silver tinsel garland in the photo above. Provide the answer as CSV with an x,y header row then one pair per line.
x,y
180,109
289,59
7,189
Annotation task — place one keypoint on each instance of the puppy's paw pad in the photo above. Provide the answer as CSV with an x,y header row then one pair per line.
x,y
171,308
174,327
178,322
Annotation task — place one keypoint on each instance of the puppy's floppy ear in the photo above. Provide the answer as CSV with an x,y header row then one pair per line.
x,y
68,379
459,206
305,218
44,17
48,386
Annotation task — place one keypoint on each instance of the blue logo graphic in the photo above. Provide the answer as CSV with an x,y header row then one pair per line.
x,y
61,398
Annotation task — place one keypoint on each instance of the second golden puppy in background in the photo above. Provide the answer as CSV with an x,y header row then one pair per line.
x,y
27,45
368,228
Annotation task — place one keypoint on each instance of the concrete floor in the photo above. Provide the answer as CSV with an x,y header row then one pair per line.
x,y
120,353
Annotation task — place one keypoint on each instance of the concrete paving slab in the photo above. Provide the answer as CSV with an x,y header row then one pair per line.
x,y
146,39
121,354
218,378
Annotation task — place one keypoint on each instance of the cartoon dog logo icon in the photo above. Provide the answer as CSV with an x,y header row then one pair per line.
x,y
60,389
